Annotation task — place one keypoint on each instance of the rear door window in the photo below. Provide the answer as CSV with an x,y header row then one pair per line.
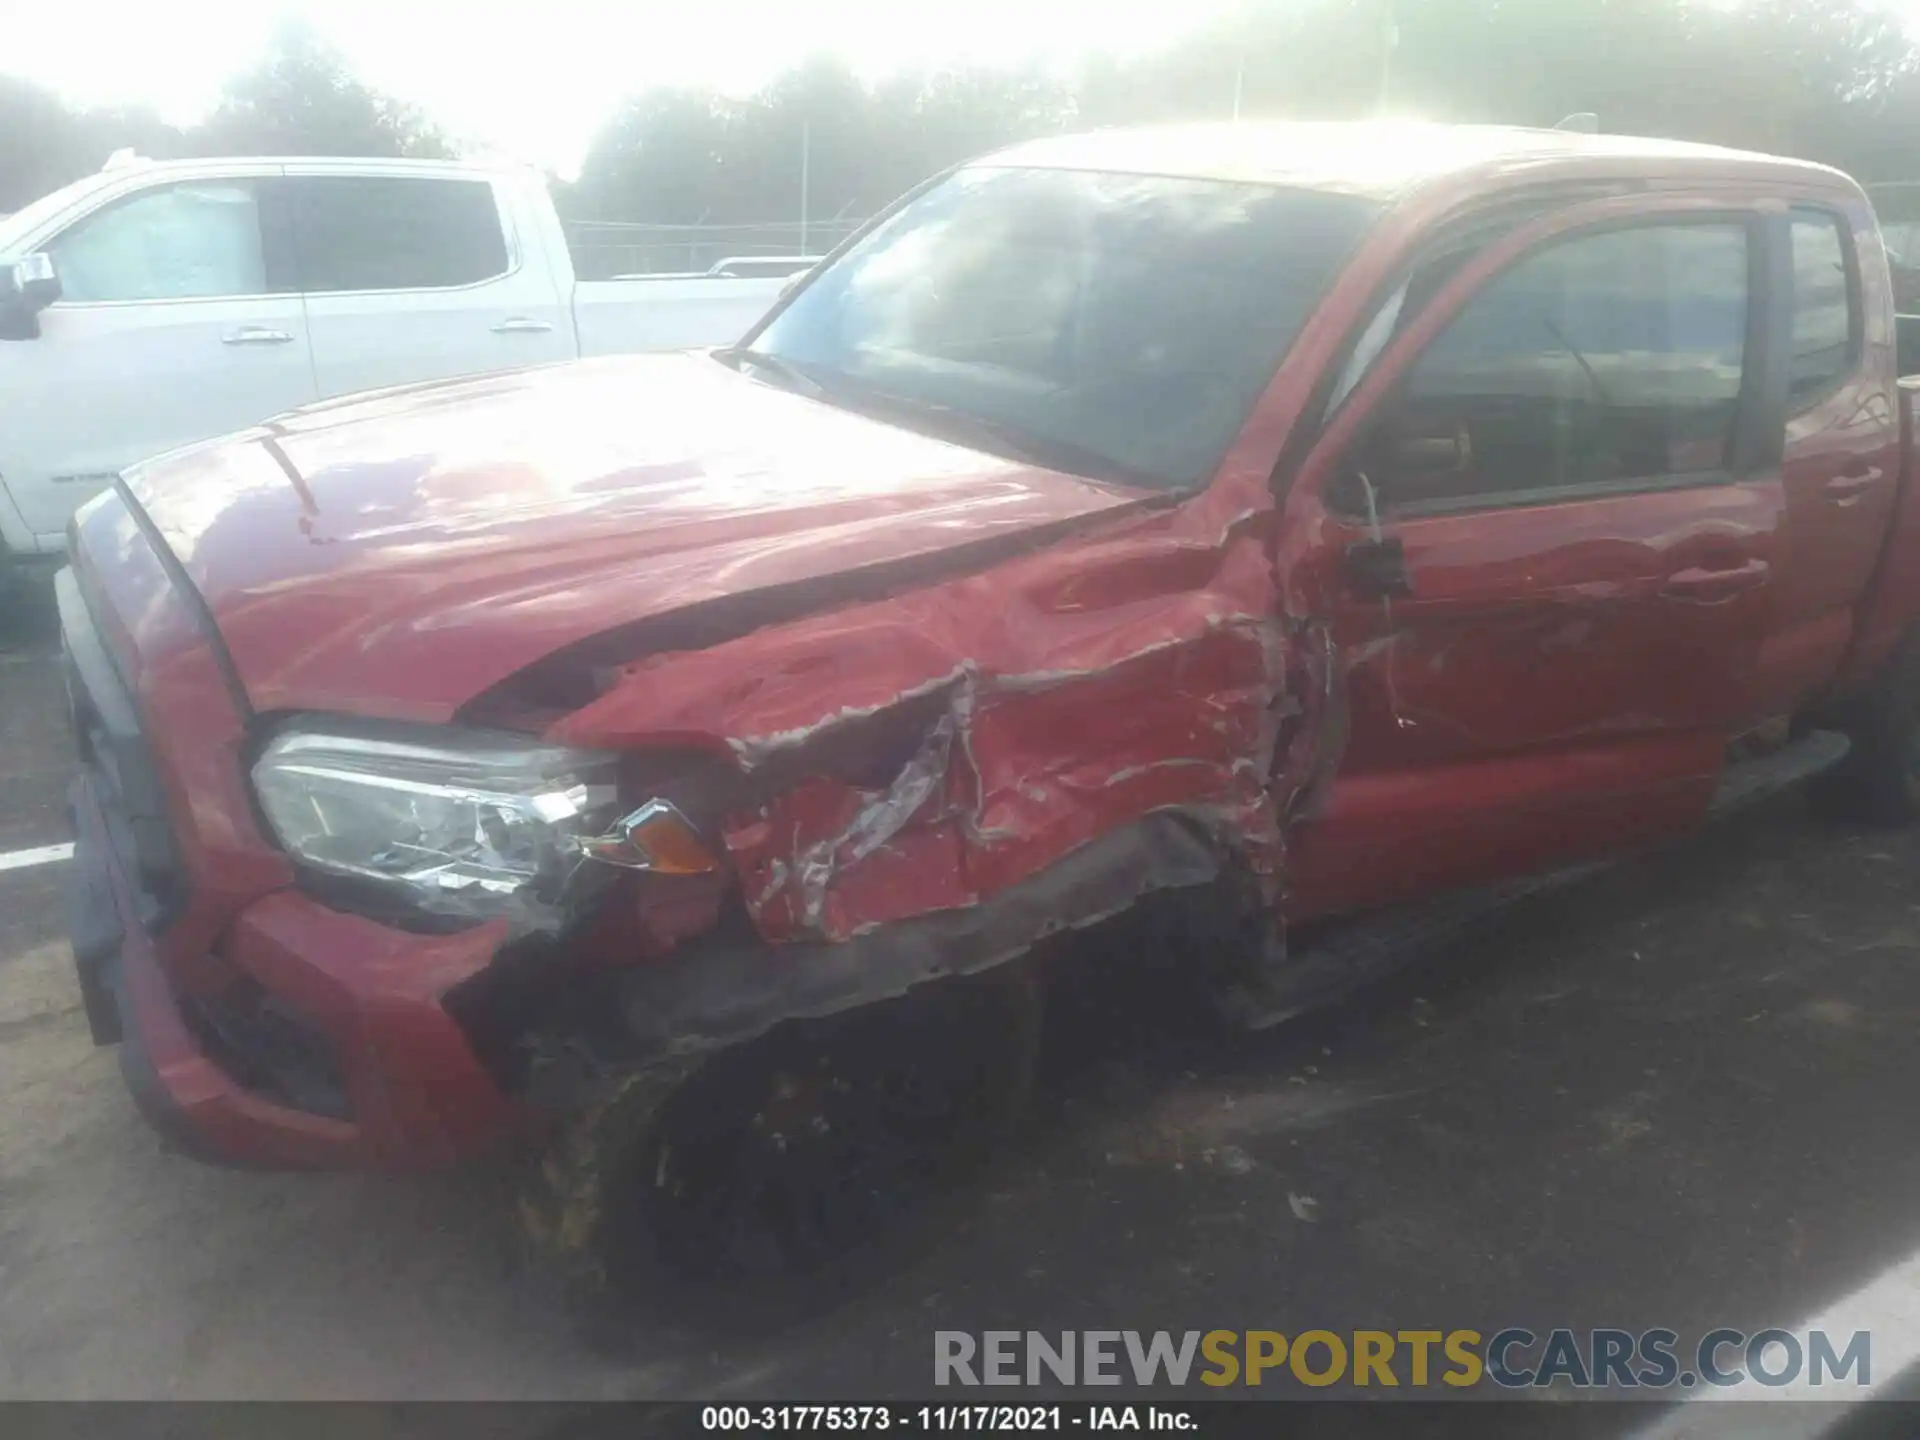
x,y
1826,313
396,232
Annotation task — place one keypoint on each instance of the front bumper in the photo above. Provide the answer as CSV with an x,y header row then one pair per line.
x,y
257,1025
412,1093
194,1105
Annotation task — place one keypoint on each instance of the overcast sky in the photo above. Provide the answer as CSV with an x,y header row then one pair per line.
x,y
533,78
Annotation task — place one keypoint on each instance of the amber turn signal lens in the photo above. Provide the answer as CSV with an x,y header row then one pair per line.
x,y
656,838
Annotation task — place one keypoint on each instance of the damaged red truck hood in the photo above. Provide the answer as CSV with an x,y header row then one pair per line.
x,y
398,554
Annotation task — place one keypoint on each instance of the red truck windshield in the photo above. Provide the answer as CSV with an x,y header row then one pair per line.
x,y
1118,326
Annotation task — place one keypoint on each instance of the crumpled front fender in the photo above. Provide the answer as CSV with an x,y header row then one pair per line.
x,y
1055,699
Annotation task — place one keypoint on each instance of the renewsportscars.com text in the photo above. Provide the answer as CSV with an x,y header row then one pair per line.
x,y
1513,1358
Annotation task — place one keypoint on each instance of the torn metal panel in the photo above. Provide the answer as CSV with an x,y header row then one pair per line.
x,y
716,992
1314,726
710,995
1052,701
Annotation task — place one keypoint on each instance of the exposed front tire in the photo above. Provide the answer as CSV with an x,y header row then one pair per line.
x,y
760,1185
1879,781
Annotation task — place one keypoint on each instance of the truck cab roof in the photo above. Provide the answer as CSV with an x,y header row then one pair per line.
x,y
1385,159
122,163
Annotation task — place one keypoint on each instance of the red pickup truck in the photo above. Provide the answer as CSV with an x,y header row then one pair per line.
x,y
678,764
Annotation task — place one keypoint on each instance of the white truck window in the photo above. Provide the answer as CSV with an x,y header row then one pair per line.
x,y
396,232
197,240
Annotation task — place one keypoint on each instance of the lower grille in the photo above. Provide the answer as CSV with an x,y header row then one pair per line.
x,y
268,1047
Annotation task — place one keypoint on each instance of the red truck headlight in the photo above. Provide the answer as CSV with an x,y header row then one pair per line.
x,y
454,822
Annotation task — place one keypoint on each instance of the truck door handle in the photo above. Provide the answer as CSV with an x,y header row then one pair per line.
x,y
1708,587
1851,483
255,335
521,325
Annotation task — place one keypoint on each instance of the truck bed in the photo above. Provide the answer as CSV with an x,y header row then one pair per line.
x,y
667,312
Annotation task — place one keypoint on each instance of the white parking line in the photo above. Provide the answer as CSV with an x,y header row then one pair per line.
x,y
1887,1307
44,855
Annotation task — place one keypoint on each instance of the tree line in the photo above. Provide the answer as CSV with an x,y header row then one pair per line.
x,y
1831,80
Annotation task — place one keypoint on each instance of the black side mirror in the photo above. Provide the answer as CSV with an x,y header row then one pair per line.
x,y
1906,335
27,286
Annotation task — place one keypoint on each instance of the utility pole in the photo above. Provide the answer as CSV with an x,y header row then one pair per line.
x,y
1389,42
806,178
1239,81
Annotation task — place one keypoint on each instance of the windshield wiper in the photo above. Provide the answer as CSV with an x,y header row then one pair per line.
x,y
961,427
1047,451
1010,442
790,376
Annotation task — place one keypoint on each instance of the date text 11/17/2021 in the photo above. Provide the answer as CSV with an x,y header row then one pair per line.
x,y
933,1419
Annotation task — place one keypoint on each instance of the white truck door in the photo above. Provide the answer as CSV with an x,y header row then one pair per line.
x,y
418,277
178,322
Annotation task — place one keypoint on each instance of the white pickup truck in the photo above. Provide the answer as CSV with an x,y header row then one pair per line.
x,y
155,304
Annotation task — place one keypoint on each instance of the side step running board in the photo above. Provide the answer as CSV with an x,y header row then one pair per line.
x,y
1354,953
1756,779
